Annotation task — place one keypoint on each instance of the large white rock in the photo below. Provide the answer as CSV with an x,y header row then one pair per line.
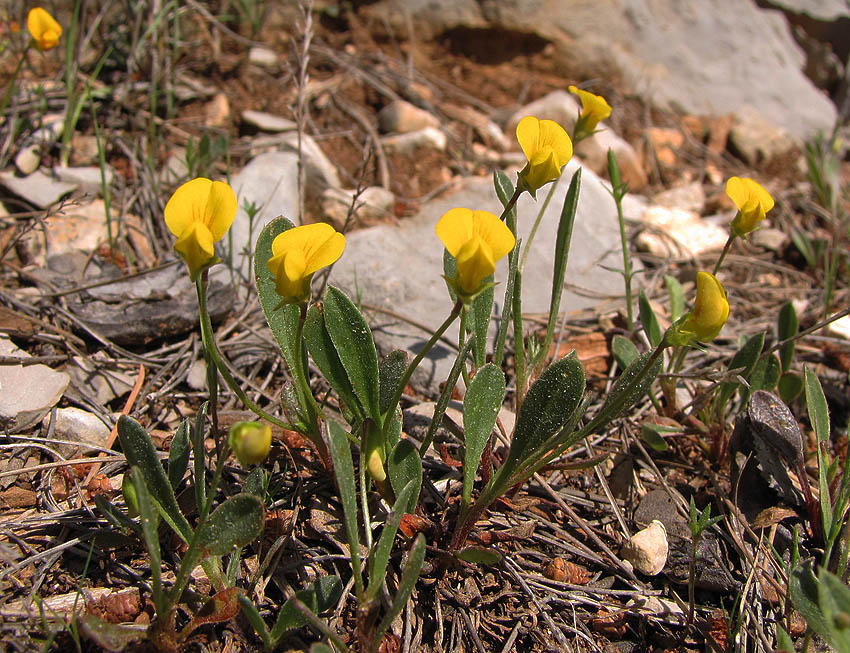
x,y
27,392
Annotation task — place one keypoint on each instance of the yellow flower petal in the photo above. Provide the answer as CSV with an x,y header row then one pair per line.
x,y
212,203
299,252
594,108
195,246
250,441
753,203
43,28
220,209
711,309
546,146
477,239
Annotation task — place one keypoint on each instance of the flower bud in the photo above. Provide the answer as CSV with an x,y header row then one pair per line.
x,y
250,442
704,322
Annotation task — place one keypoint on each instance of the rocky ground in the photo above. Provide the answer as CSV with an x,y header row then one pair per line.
x,y
406,109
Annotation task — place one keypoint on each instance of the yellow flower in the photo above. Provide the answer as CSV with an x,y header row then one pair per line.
x,y
44,29
199,213
710,312
297,253
594,109
547,147
477,239
250,442
753,203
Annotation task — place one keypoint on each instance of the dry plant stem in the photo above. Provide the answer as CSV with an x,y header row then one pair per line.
x,y
510,204
306,8
8,94
217,361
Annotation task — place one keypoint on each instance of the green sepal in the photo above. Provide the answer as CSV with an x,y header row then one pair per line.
x,y
484,398
355,347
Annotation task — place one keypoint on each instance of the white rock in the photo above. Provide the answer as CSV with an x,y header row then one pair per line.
x,y
403,117
101,383
593,152
678,232
658,607
86,178
410,142
28,159
769,238
77,425
321,172
560,106
373,205
690,197
647,549
27,392
38,188
268,122
264,57
197,376
839,328
756,139
78,229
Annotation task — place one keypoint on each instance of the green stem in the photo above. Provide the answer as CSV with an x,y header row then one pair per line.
x,y
461,335
301,377
364,500
7,96
414,364
215,356
537,222
723,254
519,342
617,190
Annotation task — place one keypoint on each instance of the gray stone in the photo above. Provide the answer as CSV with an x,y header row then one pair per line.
x,y
77,425
769,238
77,229
402,117
321,172
700,56
38,189
87,179
593,152
678,232
373,205
399,268
689,197
560,106
270,181
28,159
647,549
410,142
27,392
756,139
96,380
267,121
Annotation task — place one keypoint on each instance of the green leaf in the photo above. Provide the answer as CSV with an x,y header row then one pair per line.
x,y
765,375
409,576
110,637
449,272
790,386
787,328
549,404
151,536
256,482
480,555
480,312
238,521
404,466
676,294
381,556
819,417
322,595
745,358
282,320
834,600
114,515
319,647
353,342
254,618
178,454
803,586
627,389
445,397
783,640
340,450
140,452
649,320
504,188
481,406
624,350
563,239
390,371
324,355
653,435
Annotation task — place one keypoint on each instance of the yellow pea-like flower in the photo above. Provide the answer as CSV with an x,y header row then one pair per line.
x,y
43,28
706,319
477,240
753,203
299,252
250,441
547,147
199,214
594,108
